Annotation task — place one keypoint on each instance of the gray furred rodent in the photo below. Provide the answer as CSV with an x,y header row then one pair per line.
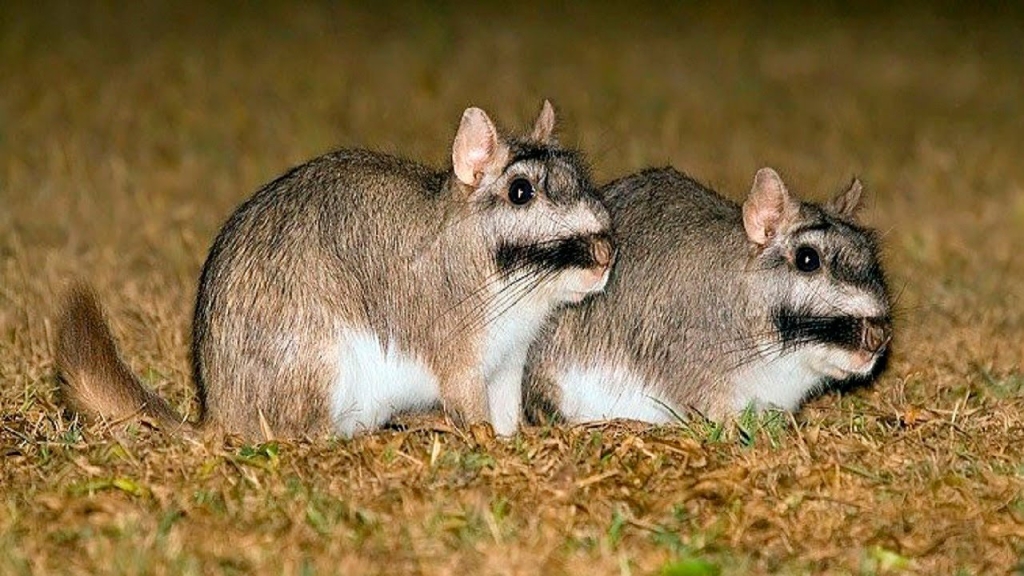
x,y
359,285
713,307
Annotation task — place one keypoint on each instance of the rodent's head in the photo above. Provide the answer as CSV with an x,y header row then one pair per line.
x,y
821,277
536,206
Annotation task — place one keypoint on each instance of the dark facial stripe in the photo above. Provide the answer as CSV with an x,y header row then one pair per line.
x,y
797,329
572,252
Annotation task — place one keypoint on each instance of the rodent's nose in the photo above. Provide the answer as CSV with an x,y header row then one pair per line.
x,y
875,334
602,250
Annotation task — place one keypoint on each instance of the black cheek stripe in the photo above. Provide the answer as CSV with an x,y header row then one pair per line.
x,y
572,252
797,329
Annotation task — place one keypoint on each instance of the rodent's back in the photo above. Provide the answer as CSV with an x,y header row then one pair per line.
x,y
657,209
322,223
675,238
293,260
671,227
718,307
355,190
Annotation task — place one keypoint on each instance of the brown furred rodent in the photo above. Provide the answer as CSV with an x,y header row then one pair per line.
x,y
359,285
714,307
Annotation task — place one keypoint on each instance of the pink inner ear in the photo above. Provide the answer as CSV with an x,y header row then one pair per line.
x,y
765,207
477,157
760,220
474,148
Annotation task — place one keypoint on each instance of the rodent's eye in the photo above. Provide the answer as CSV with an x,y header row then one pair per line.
x,y
520,191
807,259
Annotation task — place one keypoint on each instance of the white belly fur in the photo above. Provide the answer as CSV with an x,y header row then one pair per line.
x,y
375,381
596,393
779,380
508,340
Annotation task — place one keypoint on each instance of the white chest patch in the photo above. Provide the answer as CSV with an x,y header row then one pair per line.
x,y
508,339
784,380
600,393
375,381
509,336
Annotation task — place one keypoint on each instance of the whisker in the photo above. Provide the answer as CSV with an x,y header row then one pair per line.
x,y
523,289
470,320
533,255
490,281
535,279
507,299
522,293
808,330
499,275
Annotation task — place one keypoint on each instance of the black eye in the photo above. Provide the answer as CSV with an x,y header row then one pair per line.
x,y
807,259
520,191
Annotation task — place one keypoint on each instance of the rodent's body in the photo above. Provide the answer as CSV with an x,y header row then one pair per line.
x,y
346,224
690,320
360,285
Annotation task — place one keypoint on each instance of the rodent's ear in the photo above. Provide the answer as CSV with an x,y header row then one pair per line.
x,y
544,127
478,152
847,204
768,208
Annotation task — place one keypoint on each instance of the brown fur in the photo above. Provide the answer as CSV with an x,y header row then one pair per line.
x,y
298,261
357,241
695,291
94,380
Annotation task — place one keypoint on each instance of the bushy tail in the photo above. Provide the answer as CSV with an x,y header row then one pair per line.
x,y
94,380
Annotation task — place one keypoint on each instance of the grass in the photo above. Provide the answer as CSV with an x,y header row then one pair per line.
x,y
128,133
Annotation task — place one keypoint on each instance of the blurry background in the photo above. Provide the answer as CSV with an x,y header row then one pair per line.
x,y
129,131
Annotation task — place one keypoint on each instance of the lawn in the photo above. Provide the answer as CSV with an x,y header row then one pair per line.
x,y
128,132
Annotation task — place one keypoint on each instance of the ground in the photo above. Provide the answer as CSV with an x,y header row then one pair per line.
x,y
128,132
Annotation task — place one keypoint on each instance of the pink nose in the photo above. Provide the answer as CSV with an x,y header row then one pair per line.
x,y
875,334
602,250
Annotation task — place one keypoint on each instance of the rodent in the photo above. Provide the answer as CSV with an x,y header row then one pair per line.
x,y
359,285
714,307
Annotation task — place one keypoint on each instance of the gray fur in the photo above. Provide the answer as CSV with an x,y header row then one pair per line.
x,y
692,299
365,239
366,242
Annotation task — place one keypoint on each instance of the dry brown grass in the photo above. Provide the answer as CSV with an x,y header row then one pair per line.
x,y
127,134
